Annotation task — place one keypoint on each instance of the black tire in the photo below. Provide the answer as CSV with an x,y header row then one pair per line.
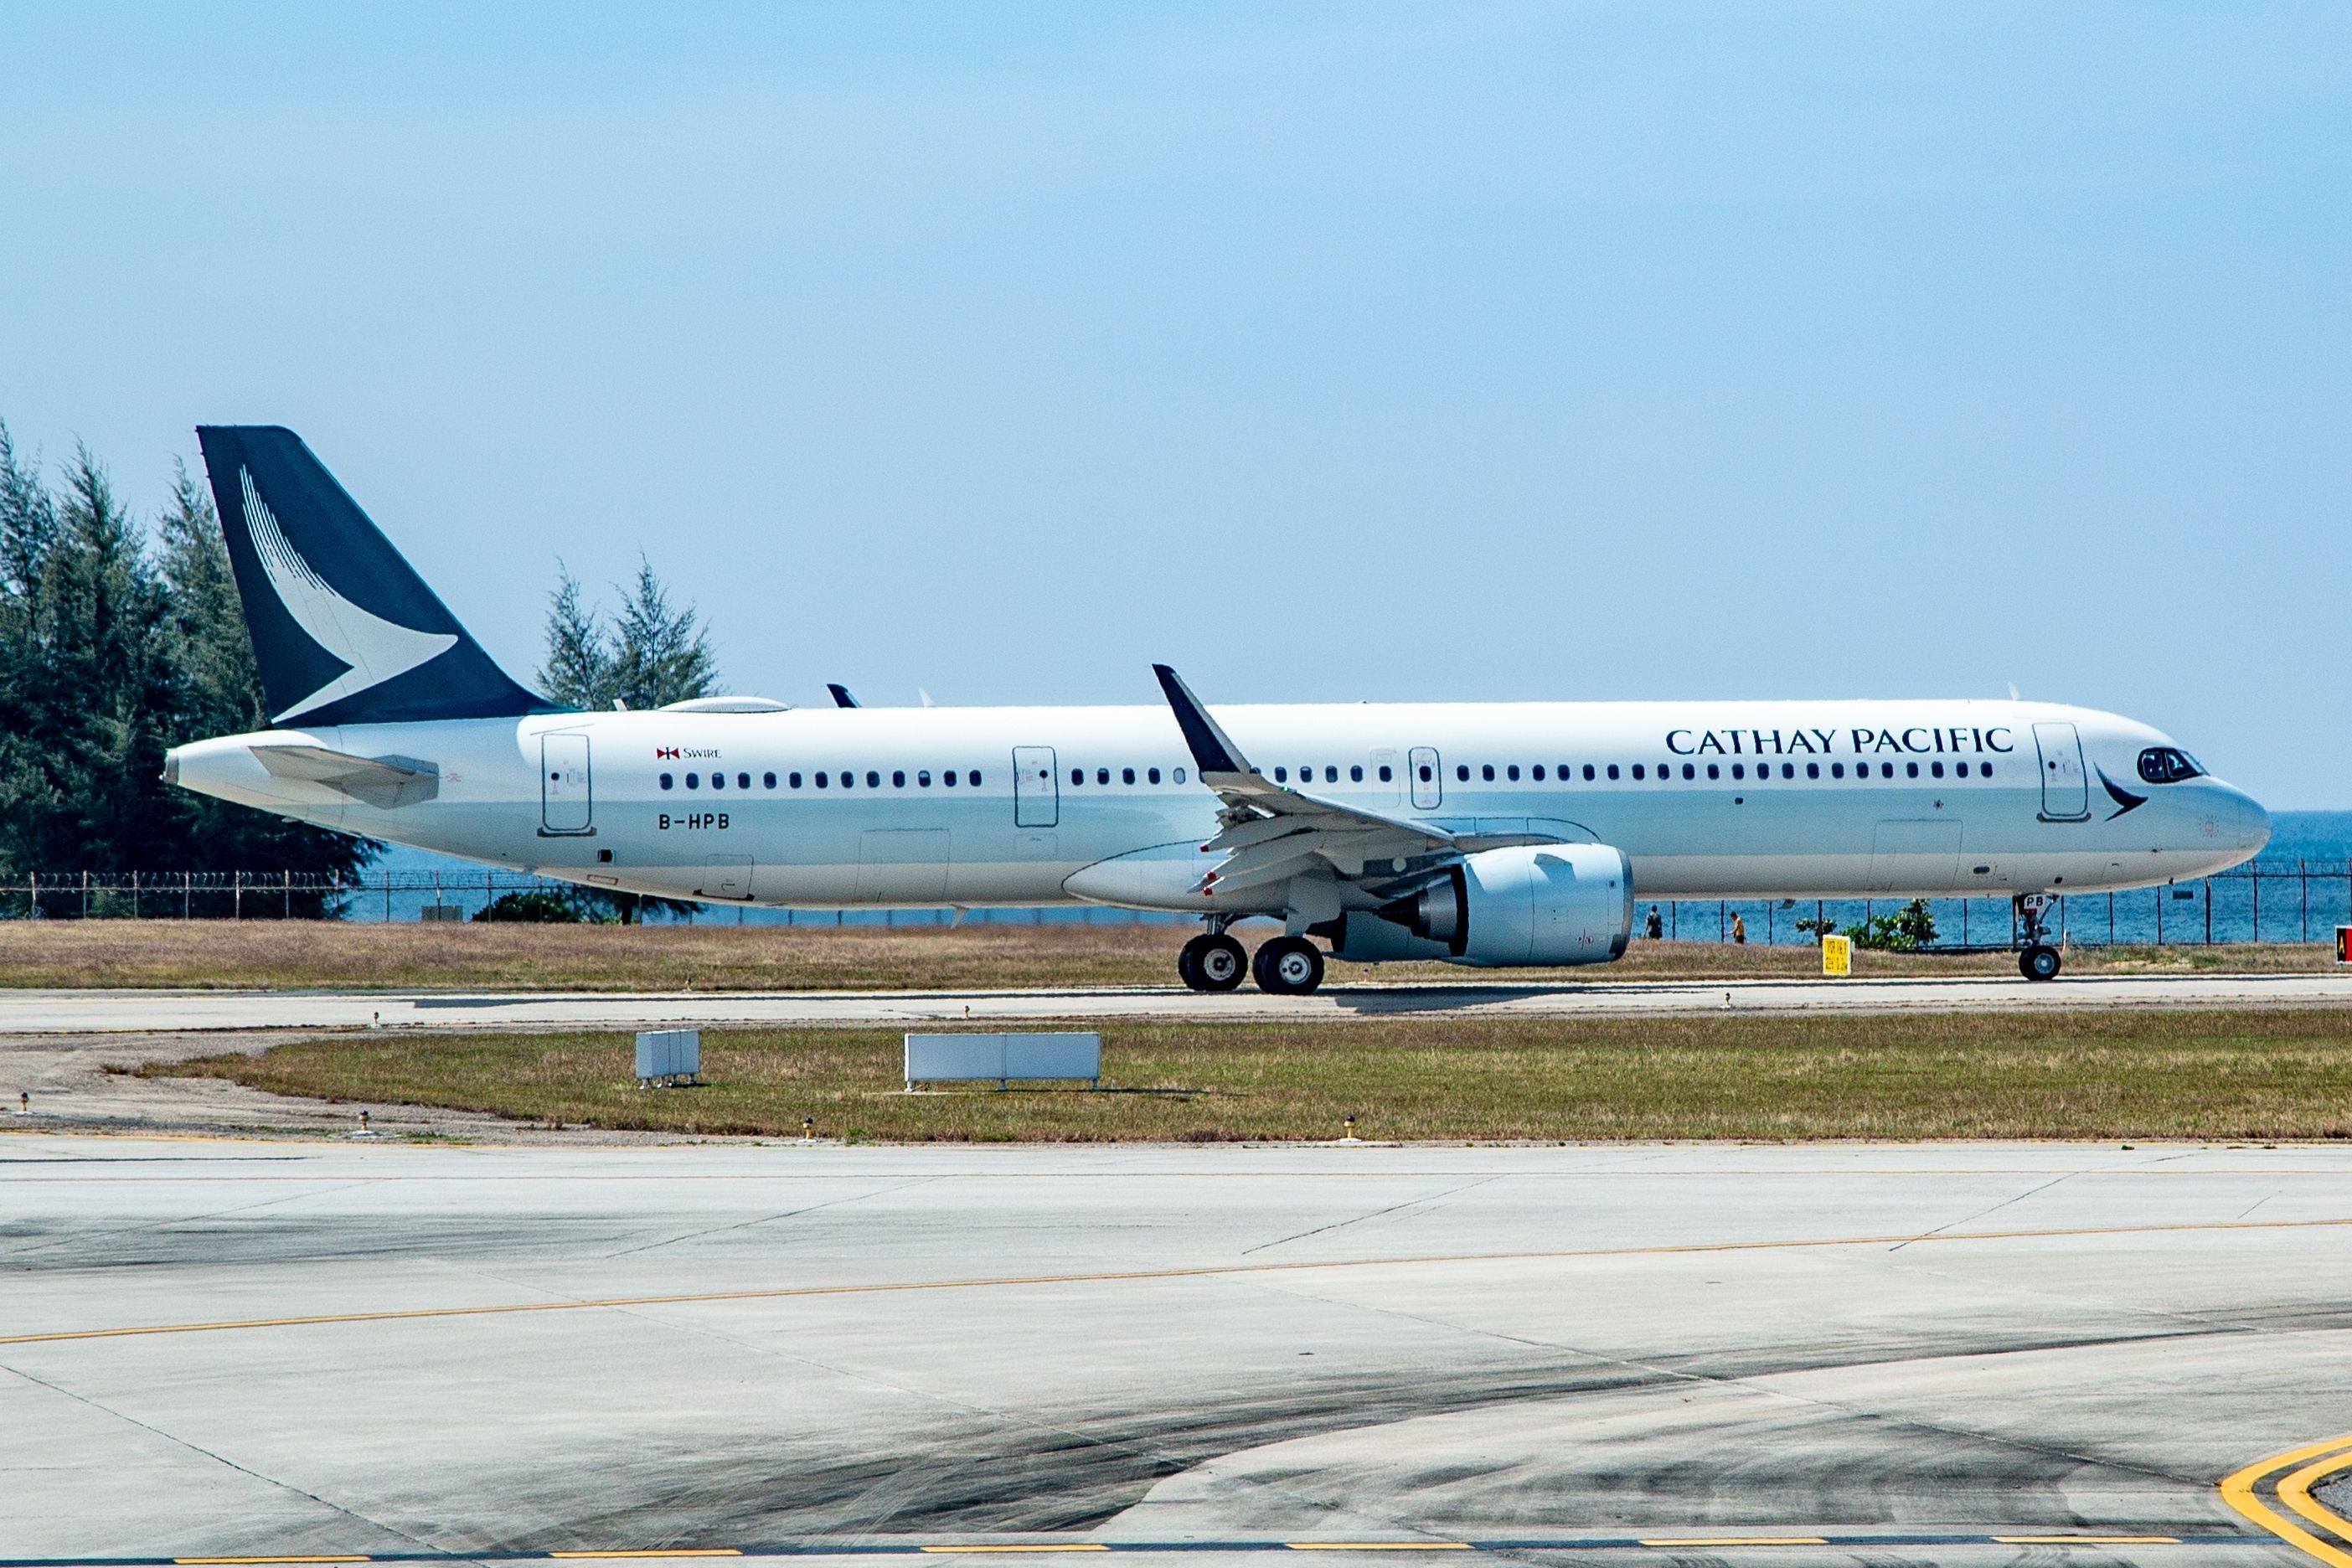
x,y
1289,966
2039,963
1212,963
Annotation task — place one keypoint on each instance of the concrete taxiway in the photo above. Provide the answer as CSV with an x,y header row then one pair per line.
x,y
218,1349
83,1011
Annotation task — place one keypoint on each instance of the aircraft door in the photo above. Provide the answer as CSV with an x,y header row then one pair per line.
x,y
1428,779
2066,790
1037,788
565,803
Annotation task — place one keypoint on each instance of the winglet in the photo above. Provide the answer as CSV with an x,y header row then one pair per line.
x,y
841,697
1212,751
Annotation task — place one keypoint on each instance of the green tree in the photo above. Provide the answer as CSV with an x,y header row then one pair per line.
x,y
106,661
650,654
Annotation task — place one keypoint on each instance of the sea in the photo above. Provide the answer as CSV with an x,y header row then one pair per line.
x,y
2299,890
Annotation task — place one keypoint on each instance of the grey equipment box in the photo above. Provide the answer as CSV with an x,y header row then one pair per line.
x,y
668,1057
976,1058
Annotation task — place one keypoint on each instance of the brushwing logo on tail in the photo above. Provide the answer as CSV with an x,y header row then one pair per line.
x,y
375,649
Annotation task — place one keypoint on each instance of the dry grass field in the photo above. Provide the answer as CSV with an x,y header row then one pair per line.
x,y
2253,1075
306,954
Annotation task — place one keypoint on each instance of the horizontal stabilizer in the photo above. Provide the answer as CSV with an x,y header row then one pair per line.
x,y
385,782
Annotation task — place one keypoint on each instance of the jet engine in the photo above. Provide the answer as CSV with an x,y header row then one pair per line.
x,y
1533,904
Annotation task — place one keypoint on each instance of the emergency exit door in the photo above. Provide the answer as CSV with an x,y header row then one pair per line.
x,y
566,803
1037,788
2065,790
1428,779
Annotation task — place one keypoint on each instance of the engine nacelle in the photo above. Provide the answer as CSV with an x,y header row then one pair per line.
x,y
1534,904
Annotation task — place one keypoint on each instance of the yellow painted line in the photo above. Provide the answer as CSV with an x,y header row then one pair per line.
x,y
672,1551
1059,1546
1735,1540
2295,1492
1199,1272
2238,1491
2088,1540
1380,1546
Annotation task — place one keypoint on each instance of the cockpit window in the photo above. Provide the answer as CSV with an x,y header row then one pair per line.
x,y
2163,764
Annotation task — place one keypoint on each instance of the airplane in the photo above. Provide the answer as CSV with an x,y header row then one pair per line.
x,y
1482,833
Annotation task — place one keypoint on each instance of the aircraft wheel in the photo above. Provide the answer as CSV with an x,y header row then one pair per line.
x,y
2039,963
1212,962
1289,966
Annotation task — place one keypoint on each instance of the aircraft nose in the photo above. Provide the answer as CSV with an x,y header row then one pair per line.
x,y
2238,820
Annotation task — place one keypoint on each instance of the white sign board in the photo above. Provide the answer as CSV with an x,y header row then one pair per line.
x,y
978,1058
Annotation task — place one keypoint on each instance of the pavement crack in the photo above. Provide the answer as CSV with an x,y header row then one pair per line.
x,y
1970,1219
220,1458
771,1218
1376,1213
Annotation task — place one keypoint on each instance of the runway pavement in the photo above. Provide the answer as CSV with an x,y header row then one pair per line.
x,y
74,1012
1849,1355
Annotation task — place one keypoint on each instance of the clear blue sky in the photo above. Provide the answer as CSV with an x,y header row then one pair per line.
x,y
1329,352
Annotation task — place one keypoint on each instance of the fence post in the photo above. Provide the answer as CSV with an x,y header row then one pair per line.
x,y
2256,882
2159,915
2209,911
134,901
285,882
33,886
187,894
2303,878
236,897
85,895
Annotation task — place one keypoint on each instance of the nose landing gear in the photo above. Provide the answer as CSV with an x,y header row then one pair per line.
x,y
2037,959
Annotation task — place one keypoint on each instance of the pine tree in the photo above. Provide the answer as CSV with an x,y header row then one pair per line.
x,y
659,654
579,667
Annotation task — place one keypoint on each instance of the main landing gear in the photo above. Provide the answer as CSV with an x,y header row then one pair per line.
x,y
2036,958
1286,966
1211,962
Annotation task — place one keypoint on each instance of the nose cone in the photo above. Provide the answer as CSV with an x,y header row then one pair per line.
x,y
2236,821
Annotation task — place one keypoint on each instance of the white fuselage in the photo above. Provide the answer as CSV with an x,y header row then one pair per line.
x,y
1054,804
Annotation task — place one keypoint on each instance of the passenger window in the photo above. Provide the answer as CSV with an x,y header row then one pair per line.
x,y
1127,775
1715,770
1837,770
1689,771
1637,771
1330,773
1984,770
1887,770
873,779
1936,769
665,781
1588,772
1912,769
973,778
1077,775
793,779
744,781
1424,772
1563,772
694,781
820,781
1386,773
948,778
1813,770
1355,773
1740,769
1787,770
1536,772
923,778
719,781
1102,776
1281,774
1487,771
1613,770
1512,773
848,779
767,781
1179,776
899,778
1961,769
1151,775
1462,772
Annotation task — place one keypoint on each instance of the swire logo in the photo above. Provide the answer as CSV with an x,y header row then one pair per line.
x,y
664,753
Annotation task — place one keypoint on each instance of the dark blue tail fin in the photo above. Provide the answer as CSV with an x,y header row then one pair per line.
x,y
343,630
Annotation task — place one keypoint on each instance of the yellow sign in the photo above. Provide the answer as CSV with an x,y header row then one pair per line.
x,y
1837,956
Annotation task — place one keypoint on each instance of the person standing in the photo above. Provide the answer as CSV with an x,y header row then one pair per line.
x,y
1739,928
1653,928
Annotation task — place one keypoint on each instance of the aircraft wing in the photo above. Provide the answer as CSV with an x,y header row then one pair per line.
x,y
1271,833
381,782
